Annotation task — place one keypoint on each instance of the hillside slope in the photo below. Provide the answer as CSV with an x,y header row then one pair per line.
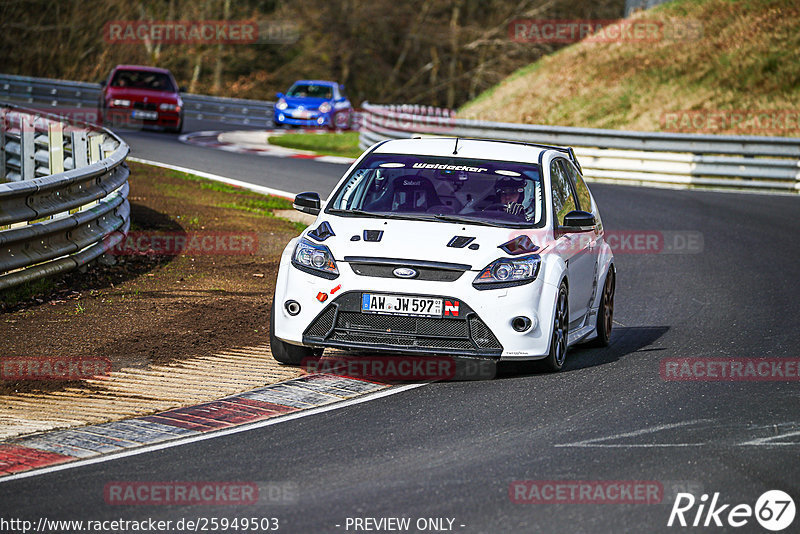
x,y
746,61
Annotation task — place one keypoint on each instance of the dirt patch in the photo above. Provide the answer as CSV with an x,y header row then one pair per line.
x,y
157,312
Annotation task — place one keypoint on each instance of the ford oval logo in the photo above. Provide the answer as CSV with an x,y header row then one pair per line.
x,y
404,272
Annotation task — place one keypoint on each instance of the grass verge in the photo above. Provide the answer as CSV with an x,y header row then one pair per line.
x,y
155,309
717,67
328,144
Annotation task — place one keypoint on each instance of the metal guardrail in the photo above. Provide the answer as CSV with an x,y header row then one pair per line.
x,y
634,158
63,194
75,96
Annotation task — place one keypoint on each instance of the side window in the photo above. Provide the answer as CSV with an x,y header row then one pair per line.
x,y
563,200
584,199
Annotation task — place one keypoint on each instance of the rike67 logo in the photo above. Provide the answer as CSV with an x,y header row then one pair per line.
x,y
774,511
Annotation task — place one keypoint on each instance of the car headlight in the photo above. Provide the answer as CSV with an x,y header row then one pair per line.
x,y
119,103
508,272
314,259
325,107
281,105
167,107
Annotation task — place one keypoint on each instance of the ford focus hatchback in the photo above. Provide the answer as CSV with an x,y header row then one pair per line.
x,y
444,246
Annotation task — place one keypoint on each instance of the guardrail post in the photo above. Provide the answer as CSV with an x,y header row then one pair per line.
x,y
55,142
94,148
80,154
3,125
27,148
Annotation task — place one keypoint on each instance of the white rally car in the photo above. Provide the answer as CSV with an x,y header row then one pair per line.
x,y
445,246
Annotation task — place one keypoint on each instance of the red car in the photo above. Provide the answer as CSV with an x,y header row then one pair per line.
x,y
135,95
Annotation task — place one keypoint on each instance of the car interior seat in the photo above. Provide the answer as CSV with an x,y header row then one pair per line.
x,y
407,193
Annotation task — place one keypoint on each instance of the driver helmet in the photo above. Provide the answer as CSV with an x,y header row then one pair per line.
x,y
507,185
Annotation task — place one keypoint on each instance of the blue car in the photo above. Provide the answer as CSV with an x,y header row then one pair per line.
x,y
314,104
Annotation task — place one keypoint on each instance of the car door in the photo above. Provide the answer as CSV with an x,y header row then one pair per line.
x,y
595,237
576,248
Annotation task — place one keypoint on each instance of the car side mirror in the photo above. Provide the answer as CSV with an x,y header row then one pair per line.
x,y
278,95
307,202
578,221
182,89
102,83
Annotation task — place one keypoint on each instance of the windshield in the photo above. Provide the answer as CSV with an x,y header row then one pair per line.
x,y
443,188
308,90
135,79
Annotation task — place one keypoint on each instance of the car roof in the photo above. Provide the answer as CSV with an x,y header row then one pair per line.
x,y
491,149
142,68
317,82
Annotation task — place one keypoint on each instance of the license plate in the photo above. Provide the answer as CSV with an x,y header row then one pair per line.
x,y
146,115
301,114
401,305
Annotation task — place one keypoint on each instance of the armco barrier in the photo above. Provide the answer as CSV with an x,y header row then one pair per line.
x,y
48,93
63,194
635,158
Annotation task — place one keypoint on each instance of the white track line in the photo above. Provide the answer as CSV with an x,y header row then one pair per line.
x,y
217,178
770,440
214,434
593,442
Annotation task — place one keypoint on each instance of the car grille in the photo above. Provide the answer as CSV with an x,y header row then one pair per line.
x,y
426,270
145,105
425,273
341,324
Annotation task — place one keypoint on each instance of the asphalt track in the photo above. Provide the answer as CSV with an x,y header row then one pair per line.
x,y
451,450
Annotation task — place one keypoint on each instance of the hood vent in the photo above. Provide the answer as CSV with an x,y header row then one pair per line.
x,y
321,232
460,241
519,245
373,235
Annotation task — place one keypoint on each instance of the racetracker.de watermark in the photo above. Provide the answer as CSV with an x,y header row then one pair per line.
x,y
586,492
603,31
70,119
70,368
190,243
730,369
620,241
199,493
782,122
652,241
200,32
403,368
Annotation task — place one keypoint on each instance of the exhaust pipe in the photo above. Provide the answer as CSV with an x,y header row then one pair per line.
x,y
292,307
521,323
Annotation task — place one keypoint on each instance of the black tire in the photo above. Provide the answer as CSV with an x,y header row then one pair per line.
x,y
338,124
559,338
605,313
177,129
286,352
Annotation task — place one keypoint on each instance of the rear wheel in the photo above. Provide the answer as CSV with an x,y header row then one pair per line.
x,y
286,352
605,314
558,339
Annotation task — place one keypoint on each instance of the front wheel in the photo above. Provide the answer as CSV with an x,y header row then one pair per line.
x,y
341,121
286,352
178,128
558,339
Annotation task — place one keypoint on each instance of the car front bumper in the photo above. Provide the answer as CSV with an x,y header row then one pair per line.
x,y
314,120
124,117
330,315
